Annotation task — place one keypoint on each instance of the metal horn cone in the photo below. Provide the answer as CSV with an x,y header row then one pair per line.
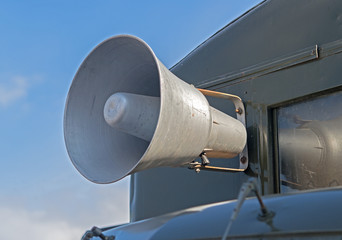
x,y
104,154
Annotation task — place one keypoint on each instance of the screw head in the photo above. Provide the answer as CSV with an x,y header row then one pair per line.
x,y
243,160
238,111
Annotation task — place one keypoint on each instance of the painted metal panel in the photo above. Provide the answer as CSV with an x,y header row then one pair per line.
x,y
290,220
271,31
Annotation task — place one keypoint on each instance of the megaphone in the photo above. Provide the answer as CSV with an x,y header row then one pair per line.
x,y
126,112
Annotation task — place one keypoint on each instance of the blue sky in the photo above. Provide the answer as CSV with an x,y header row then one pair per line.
x,y
42,45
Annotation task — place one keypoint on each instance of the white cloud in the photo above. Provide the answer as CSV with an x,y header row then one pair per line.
x,y
65,213
12,90
89,205
19,223
113,208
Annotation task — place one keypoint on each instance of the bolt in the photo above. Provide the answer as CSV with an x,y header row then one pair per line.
x,y
243,160
239,111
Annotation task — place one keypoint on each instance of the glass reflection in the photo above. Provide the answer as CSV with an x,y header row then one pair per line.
x,y
310,140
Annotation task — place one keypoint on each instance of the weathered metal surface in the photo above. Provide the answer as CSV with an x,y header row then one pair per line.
x,y
269,32
330,48
241,116
170,124
279,63
127,64
264,68
291,220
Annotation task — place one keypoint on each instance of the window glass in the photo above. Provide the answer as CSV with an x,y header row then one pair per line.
x,y
310,143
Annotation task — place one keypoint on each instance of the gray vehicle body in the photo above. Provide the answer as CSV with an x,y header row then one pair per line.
x,y
277,55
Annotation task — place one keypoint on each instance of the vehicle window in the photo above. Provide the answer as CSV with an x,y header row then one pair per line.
x,y
309,141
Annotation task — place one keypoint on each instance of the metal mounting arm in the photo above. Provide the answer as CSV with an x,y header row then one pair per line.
x,y
241,116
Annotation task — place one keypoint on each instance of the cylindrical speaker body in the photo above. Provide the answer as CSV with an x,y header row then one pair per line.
x,y
227,137
182,126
